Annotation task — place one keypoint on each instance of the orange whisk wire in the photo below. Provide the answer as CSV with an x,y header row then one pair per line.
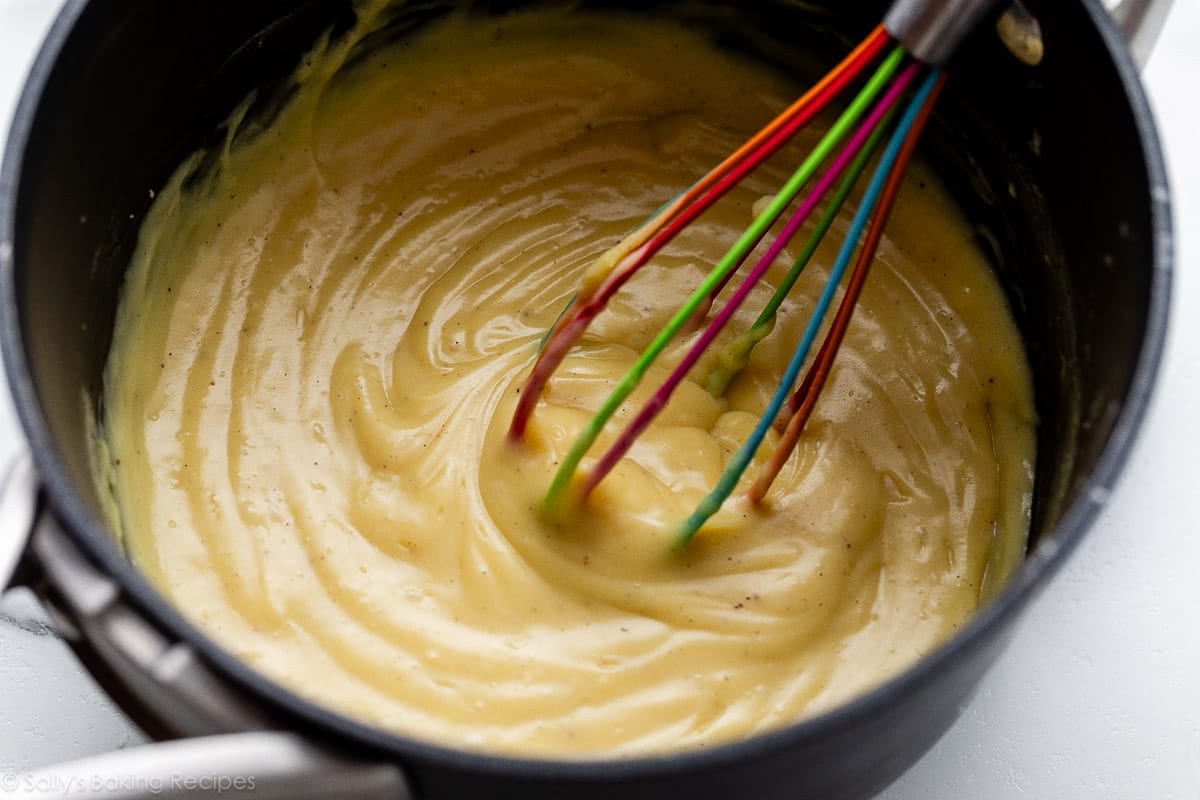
x,y
884,174
617,265
801,404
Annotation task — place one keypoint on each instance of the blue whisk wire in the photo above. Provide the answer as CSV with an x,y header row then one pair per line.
x,y
745,454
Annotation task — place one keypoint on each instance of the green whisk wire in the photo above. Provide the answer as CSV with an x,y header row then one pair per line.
x,y
546,336
840,129
737,353
741,459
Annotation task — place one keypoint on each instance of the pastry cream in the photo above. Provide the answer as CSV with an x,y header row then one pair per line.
x,y
318,350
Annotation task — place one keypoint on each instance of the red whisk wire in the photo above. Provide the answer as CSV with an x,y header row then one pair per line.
x,y
841,163
682,212
801,403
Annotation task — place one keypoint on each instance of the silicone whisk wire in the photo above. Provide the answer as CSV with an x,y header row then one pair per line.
x,y
617,265
801,404
749,239
851,161
888,173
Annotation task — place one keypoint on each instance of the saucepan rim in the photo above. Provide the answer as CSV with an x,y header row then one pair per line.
x,y
1042,563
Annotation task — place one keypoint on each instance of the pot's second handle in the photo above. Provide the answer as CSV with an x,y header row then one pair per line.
x,y
1141,21
18,511
259,765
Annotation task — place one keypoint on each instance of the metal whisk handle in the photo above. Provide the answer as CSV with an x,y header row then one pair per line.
x,y
933,29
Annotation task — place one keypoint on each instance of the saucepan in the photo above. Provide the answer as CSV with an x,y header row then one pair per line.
x,y
1046,141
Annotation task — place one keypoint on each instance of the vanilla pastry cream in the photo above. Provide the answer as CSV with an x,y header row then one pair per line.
x,y
320,343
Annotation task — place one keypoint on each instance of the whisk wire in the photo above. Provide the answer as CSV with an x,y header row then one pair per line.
x,y
888,172
801,404
737,353
732,259
617,265
857,145
880,101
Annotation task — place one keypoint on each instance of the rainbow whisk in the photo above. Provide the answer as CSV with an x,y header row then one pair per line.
x,y
884,120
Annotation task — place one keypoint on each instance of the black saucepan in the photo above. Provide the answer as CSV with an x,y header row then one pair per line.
x,y
1058,164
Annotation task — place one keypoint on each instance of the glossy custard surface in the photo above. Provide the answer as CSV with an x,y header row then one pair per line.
x,y
318,351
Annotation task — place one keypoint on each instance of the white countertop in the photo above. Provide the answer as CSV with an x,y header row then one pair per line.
x,y
1099,695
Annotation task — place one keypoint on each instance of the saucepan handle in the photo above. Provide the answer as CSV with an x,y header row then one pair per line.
x,y
1141,21
262,765
259,764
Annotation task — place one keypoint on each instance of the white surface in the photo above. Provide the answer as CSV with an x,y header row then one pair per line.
x,y
1099,695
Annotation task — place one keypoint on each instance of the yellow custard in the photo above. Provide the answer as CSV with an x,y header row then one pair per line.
x,y
318,351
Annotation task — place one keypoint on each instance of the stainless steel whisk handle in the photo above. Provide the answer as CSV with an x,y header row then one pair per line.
x,y
933,29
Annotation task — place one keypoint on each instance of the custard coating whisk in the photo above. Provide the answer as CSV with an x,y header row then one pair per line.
x,y
909,47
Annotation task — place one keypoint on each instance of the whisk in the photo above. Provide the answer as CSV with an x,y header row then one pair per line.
x,y
909,48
